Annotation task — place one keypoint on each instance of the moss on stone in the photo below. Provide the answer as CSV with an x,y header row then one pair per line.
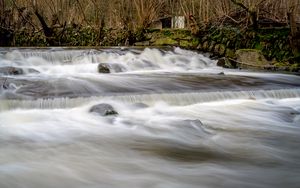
x,y
251,56
165,42
230,53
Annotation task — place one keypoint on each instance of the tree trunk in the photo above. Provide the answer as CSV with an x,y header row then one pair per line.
x,y
252,12
48,31
253,19
295,34
2,7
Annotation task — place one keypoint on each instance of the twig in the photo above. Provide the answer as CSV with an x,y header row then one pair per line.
x,y
21,14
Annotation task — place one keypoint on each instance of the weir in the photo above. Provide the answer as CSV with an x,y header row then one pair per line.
x,y
49,55
150,99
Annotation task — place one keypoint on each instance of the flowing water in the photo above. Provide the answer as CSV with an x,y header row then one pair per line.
x,y
182,122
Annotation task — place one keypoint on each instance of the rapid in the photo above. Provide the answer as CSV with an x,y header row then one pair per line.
x,y
181,122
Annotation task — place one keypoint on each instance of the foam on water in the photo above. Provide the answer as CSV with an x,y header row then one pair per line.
x,y
179,123
236,141
86,61
170,98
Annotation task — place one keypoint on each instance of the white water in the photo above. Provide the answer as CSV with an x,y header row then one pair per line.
x,y
179,124
85,61
150,99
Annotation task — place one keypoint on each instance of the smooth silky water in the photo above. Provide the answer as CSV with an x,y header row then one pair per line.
x,y
180,123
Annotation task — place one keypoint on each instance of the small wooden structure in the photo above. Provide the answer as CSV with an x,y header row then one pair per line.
x,y
175,22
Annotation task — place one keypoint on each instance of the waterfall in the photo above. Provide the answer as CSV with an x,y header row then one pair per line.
x,y
138,60
170,98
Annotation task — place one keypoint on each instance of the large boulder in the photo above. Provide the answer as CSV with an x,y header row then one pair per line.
x,y
246,58
251,58
103,110
8,70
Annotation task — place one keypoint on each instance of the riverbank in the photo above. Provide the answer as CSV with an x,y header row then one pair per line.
x,y
263,49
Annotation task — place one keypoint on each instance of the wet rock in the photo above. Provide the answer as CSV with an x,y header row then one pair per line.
x,y
226,63
108,68
221,73
103,68
16,71
222,62
103,110
11,71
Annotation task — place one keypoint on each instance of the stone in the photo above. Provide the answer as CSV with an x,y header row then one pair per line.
x,y
205,46
109,68
199,47
227,63
222,50
165,42
16,70
103,68
103,110
252,58
142,43
216,49
229,53
212,46
222,62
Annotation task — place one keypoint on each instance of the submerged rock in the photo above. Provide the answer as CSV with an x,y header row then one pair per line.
x,y
16,70
11,71
116,67
103,110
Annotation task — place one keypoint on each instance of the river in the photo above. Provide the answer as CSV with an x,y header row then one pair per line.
x,y
182,121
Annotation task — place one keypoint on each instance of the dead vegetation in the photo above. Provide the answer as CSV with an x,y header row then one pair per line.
x,y
54,17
